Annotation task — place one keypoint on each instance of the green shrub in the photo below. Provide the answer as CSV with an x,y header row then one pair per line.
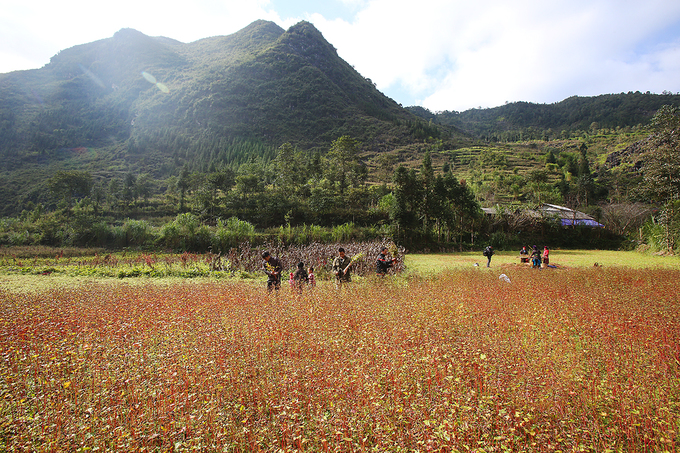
x,y
230,233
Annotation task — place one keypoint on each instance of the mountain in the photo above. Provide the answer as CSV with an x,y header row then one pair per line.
x,y
137,98
570,117
173,114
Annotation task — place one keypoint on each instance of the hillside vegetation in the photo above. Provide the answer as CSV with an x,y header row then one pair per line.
x,y
133,103
134,140
574,117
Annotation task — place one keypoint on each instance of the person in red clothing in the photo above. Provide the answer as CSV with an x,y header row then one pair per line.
x,y
546,252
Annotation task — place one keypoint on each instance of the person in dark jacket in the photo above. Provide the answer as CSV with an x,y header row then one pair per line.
x,y
301,277
341,265
488,252
272,267
382,264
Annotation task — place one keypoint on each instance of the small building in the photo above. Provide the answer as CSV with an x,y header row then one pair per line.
x,y
569,217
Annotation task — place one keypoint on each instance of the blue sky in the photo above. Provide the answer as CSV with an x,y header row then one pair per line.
x,y
441,54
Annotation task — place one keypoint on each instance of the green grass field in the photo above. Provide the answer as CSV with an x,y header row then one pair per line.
x,y
428,264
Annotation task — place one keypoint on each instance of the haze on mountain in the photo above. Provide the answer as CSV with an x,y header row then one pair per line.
x,y
262,84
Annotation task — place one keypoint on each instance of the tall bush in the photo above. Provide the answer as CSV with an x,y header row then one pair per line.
x,y
180,233
230,233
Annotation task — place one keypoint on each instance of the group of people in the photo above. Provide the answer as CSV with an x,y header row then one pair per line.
x,y
342,263
535,258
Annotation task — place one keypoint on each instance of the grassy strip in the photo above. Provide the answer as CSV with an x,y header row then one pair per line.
x,y
428,264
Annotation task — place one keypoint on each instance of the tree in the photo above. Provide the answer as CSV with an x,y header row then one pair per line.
x,y
143,186
98,194
343,167
464,208
429,207
284,166
248,184
661,160
661,168
129,187
70,184
183,183
407,197
386,164
288,169
550,157
113,193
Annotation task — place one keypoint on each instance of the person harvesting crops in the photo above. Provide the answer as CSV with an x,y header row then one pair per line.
x,y
312,279
536,258
272,267
341,265
524,255
301,277
382,264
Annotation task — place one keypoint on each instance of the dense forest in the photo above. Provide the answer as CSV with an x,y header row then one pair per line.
x,y
267,134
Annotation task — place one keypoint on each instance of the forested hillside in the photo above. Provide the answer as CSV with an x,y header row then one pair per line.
x,y
133,103
572,117
150,142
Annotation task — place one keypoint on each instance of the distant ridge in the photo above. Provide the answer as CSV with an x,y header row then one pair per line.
x,y
538,121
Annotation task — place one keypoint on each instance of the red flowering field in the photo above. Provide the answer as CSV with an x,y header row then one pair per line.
x,y
578,360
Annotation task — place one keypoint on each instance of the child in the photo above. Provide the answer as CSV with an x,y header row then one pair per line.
x,y
301,277
546,252
291,281
310,274
536,258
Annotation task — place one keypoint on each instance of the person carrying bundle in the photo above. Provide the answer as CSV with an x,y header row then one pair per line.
x,y
488,252
341,265
383,264
272,267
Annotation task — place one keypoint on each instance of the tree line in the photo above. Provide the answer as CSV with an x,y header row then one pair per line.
x,y
298,191
295,194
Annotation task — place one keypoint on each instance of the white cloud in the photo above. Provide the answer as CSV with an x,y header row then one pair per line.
x,y
443,54
32,32
459,54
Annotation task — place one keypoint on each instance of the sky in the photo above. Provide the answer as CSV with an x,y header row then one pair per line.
x,y
440,54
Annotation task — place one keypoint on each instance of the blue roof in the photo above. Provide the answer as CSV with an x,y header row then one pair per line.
x,y
581,222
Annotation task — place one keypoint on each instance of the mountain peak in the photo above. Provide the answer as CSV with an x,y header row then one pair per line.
x,y
128,33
